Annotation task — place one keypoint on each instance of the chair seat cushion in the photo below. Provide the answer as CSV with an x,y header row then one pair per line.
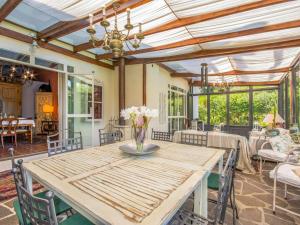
x,y
213,181
22,130
5,132
273,155
60,205
76,219
285,174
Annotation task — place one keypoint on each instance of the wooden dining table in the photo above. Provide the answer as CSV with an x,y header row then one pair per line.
x,y
108,186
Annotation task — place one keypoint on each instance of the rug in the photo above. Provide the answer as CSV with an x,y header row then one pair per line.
x,y
8,188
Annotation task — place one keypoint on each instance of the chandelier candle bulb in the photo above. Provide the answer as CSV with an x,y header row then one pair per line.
x,y
91,19
104,11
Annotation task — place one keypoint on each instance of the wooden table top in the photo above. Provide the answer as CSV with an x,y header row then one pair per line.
x,y
110,187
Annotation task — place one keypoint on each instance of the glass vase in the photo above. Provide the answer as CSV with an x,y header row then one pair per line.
x,y
139,137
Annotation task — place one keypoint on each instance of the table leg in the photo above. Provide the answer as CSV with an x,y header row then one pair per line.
x,y
200,198
28,179
31,134
220,164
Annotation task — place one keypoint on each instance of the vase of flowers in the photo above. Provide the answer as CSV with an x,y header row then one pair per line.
x,y
139,118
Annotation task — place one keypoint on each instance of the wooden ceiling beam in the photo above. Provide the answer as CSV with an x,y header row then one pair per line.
x,y
200,40
27,39
85,46
240,83
212,15
66,27
8,7
218,52
233,73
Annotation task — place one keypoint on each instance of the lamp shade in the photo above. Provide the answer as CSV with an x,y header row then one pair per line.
x,y
48,108
270,117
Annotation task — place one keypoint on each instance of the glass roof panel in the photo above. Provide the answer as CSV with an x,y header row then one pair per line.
x,y
67,9
274,14
268,37
265,60
187,8
152,14
169,52
2,2
31,17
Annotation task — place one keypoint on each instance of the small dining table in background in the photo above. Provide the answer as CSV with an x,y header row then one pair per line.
x,y
227,141
111,187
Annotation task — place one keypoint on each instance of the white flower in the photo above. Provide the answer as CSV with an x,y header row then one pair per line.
x,y
133,112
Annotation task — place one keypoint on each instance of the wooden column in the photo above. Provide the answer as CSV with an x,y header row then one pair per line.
x,y
208,112
145,84
121,88
281,100
227,109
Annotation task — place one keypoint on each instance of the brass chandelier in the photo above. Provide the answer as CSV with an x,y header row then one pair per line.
x,y
114,40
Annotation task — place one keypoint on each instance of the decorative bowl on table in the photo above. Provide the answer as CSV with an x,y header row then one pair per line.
x,y
132,149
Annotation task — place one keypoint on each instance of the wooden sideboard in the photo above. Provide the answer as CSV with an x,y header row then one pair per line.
x,y
10,95
41,98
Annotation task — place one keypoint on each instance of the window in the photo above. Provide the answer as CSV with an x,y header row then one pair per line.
x,y
49,64
14,55
202,108
176,108
97,102
217,109
264,103
239,109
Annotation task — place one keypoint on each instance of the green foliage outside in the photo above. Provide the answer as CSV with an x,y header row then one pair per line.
x,y
239,109
263,103
217,109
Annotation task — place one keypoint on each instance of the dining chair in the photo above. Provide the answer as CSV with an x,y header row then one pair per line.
x,y
213,184
64,141
106,138
194,139
41,211
19,178
187,217
8,129
285,173
161,136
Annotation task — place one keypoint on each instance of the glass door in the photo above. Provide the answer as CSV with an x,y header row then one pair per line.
x,y
80,106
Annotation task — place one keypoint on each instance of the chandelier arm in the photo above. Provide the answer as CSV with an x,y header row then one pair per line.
x,y
128,45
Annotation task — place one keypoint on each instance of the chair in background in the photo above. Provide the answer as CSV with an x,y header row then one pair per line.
x,y
106,138
282,147
213,184
161,136
289,174
41,211
194,139
19,178
8,129
186,217
64,141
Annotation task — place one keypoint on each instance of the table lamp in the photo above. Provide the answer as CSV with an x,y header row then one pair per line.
x,y
48,110
269,119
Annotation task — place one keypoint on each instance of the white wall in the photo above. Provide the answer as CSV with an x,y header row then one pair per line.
x,y
157,82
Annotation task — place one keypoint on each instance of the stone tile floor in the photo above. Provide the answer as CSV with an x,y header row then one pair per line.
x,y
254,200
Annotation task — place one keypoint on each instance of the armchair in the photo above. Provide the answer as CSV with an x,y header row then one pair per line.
x,y
278,152
284,173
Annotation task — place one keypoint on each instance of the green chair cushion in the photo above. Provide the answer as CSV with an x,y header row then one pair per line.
x,y
76,219
60,205
18,212
213,181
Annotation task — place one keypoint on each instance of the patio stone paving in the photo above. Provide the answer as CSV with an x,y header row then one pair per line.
x,y
254,199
